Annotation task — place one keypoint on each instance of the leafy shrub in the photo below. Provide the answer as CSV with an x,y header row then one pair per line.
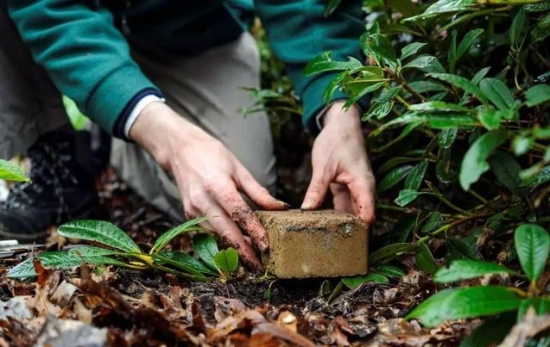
x,y
124,252
12,172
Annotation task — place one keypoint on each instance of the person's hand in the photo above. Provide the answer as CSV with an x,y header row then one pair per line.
x,y
340,163
209,178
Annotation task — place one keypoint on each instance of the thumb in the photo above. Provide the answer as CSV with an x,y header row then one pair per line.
x,y
316,191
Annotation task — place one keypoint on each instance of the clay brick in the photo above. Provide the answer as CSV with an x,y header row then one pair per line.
x,y
315,243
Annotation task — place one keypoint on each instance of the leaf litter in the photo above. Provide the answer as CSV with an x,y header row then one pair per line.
x,y
107,306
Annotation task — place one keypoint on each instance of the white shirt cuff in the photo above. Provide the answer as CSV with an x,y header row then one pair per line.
x,y
141,104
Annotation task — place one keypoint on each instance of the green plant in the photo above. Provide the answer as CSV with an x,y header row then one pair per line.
x,y
11,172
124,252
532,244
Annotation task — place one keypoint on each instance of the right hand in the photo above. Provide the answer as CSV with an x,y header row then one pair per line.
x,y
209,178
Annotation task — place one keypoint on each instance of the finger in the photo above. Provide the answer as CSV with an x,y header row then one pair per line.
x,y
362,193
256,192
227,196
341,197
230,235
316,191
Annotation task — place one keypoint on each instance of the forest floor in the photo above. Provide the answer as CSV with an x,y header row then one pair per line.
x,y
145,308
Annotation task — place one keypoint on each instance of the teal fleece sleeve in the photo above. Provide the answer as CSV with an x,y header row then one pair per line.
x,y
87,58
298,31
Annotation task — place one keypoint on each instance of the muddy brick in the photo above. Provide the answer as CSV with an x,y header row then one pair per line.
x,y
315,243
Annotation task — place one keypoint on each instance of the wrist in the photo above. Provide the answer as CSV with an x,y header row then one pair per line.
x,y
336,114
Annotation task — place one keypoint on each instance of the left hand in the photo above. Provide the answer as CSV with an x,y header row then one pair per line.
x,y
340,162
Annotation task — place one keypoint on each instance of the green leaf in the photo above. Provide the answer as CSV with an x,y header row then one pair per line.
x,y
393,177
462,83
206,247
331,6
390,271
11,172
410,49
354,282
466,42
416,176
433,221
480,75
490,118
437,106
425,260
406,196
539,178
390,252
357,89
184,269
441,7
491,332
227,260
537,95
96,256
99,231
426,63
426,86
447,137
475,163
522,145
466,269
498,93
540,305
402,229
333,86
517,29
532,246
188,263
164,239
323,62
539,7
506,169
56,260
380,47
458,303
460,249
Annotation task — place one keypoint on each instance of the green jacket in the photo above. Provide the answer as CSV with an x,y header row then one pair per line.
x,y
83,44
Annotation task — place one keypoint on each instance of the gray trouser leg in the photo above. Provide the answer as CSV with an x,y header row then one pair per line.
x,y
207,90
30,105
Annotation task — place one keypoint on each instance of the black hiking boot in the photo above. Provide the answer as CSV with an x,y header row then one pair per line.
x,y
61,190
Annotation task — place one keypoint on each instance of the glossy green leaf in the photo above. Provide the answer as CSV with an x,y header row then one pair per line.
x,y
425,260
462,83
354,282
188,263
537,95
411,49
182,268
507,170
206,247
442,7
11,172
227,260
358,89
539,178
393,178
102,232
390,252
537,7
437,106
467,269
461,250
475,162
491,332
96,256
333,86
323,62
164,239
532,246
406,196
331,6
390,271
426,86
458,303
540,305
432,222
480,75
498,93
466,42
517,29
446,137
380,47
416,176
56,260
426,63
490,118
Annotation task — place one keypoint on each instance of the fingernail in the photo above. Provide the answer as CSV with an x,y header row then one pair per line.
x,y
263,247
307,205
